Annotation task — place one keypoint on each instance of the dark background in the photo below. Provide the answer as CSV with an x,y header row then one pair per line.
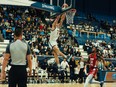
x,y
104,7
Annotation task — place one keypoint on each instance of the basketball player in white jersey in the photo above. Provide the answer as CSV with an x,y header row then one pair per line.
x,y
54,36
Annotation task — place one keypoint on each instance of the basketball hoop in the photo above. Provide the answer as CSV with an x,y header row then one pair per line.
x,y
70,16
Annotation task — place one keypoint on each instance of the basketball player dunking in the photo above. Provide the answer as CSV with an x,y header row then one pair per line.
x,y
93,67
54,36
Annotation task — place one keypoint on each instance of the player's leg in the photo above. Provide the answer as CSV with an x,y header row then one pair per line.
x,y
92,73
58,52
52,45
101,79
88,79
56,58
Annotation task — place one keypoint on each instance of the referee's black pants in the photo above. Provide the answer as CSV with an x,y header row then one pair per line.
x,y
17,76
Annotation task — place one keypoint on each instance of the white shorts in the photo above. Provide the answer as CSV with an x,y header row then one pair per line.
x,y
52,44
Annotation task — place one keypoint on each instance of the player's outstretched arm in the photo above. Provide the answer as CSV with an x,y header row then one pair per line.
x,y
62,19
88,60
104,63
55,22
64,6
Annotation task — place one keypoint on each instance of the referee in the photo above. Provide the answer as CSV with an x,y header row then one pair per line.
x,y
19,52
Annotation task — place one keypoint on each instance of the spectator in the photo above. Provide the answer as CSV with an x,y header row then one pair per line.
x,y
111,66
78,53
74,33
36,50
72,65
77,70
4,33
86,46
44,67
1,38
105,52
65,66
34,64
41,26
81,73
110,51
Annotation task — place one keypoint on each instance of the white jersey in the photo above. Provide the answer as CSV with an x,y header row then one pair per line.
x,y
77,70
34,62
54,34
81,64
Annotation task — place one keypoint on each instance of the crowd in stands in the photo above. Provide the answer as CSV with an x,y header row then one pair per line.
x,y
104,50
103,26
36,33
108,50
94,26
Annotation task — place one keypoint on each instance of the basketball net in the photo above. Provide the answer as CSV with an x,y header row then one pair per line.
x,y
70,16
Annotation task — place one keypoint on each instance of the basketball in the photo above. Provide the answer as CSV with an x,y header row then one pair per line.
x,y
64,6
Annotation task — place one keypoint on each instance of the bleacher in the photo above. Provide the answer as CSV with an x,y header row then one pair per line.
x,y
82,36
83,53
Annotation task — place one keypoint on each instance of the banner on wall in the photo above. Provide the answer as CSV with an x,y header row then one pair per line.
x,y
110,76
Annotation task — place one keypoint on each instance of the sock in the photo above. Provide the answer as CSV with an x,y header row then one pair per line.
x,y
88,80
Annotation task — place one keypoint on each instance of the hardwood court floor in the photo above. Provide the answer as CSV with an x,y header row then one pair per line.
x,y
66,85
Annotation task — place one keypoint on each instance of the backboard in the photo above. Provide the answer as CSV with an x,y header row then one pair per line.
x,y
59,3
